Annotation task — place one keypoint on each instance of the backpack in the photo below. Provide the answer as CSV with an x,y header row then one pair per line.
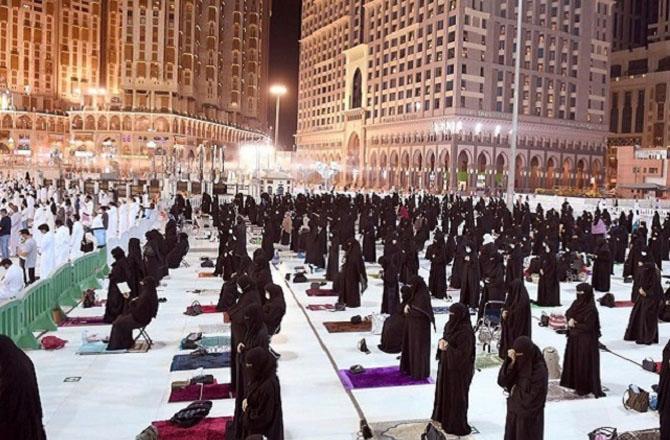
x,y
607,300
88,300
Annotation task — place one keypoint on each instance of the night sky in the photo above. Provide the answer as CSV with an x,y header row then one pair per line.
x,y
284,53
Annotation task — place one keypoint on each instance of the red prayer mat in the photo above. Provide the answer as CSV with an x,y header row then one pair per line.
x,y
215,391
213,428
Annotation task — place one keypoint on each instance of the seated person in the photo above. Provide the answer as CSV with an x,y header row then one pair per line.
x,y
177,254
12,283
141,311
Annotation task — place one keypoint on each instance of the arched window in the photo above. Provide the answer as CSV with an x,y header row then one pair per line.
x,y
357,90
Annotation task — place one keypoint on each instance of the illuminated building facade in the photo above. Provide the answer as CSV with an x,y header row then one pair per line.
x,y
114,83
415,93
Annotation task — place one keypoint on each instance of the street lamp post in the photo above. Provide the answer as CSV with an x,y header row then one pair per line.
x,y
278,91
515,109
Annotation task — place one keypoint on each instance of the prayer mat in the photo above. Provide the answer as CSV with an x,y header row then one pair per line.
x,y
440,310
206,275
379,378
209,342
99,347
214,391
487,360
210,428
645,434
214,329
320,307
557,393
79,321
622,304
348,327
321,292
211,308
183,362
406,430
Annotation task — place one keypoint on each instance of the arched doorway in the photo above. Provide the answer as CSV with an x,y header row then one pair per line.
x,y
597,174
357,90
352,159
482,164
534,173
551,174
429,174
404,170
371,180
500,170
443,176
382,172
580,175
393,172
417,167
566,173
463,162
518,173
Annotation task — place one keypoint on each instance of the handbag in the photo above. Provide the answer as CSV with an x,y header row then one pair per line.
x,y
192,414
356,369
557,322
204,379
648,364
636,399
544,320
190,342
604,433
194,309
432,432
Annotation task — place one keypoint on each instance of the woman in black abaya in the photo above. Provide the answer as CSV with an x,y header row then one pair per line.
x,y
514,267
548,289
246,296
394,326
120,273
525,378
262,413
470,278
274,308
178,252
260,272
256,335
141,311
516,317
390,295
154,259
369,240
333,267
135,262
415,359
437,255
602,266
664,394
354,278
643,322
581,366
20,405
456,369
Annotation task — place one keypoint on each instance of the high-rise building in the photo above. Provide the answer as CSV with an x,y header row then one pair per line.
x,y
114,82
640,78
420,93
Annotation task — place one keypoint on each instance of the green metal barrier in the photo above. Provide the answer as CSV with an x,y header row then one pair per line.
x,y
19,319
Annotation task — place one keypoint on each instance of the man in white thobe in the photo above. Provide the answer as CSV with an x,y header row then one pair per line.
x,y
11,284
76,238
45,244
62,243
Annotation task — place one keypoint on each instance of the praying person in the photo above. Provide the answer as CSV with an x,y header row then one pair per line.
x,y
525,378
581,365
516,318
262,406
415,359
12,283
141,310
456,355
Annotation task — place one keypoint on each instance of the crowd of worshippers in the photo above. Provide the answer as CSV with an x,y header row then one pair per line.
x,y
45,227
486,245
254,306
132,298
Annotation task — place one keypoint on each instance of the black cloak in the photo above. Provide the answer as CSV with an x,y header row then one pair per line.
x,y
581,366
274,308
263,415
663,394
602,267
437,255
643,322
20,405
548,289
141,311
353,275
455,372
527,382
120,273
517,320
415,359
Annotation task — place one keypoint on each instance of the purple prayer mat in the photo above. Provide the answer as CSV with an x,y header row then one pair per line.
x,y
215,391
78,321
321,292
379,378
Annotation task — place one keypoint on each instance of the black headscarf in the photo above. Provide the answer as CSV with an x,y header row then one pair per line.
x,y
261,366
420,297
459,320
528,354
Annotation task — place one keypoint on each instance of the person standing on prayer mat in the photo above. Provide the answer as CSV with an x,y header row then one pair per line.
x,y
516,318
353,277
247,295
549,288
525,378
581,365
470,279
262,407
602,266
255,336
20,405
391,293
456,355
415,358
643,322
120,273
664,394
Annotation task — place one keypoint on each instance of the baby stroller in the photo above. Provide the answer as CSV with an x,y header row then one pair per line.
x,y
488,327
